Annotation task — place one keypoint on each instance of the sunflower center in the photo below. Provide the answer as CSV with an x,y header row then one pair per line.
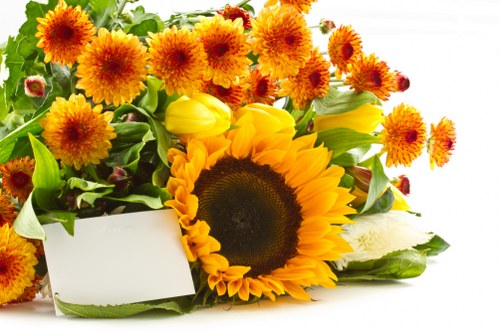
x,y
63,33
179,58
3,266
20,179
251,212
347,51
411,136
262,88
315,78
219,49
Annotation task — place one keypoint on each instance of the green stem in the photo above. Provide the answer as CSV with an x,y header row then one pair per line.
x,y
119,11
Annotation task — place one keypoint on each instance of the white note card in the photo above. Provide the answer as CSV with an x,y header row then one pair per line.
x,y
118,259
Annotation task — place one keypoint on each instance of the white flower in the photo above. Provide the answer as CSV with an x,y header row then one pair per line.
x,y
374,236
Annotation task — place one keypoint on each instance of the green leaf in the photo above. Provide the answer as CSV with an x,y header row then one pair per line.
x,y
347,181
127,146
91,197
102,11
174,306
27,224
143,23
150,100
434,246
351,157
393,266
151,202
46,174
383,204
341,140
67,219
343,101
378,183
303,123
85,185
163,139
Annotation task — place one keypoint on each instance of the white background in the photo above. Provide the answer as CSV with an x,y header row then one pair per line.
x,y
451,52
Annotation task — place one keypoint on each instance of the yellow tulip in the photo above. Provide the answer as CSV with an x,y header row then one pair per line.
x,y
198,116
364,119
267,118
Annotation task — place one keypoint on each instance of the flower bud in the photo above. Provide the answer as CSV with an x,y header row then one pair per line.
x,y
134,116
198,116
119,177
402,183
402,82
364,119
267,118
362,177
325,26
34,86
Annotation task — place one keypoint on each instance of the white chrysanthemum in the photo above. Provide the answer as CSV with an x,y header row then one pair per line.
x,y
374,236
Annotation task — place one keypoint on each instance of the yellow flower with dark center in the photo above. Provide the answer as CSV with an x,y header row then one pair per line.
x,y
282,40
403,136
16,177
178,58
258,88
113,67
441,142
301,5
370,74
232,95
17,261
260,211
344,48
312,81
7,209
76,133
226,46
63,33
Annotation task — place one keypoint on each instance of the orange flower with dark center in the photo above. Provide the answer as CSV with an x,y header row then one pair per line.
x,y
301,5
7,209
441,142
232,96
113,67
259,88
282,40
313,80
64,33
370,74
16,177
344,48
232,13
403,136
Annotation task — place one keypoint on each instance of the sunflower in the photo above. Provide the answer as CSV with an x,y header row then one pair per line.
x,y
232,13
312,81
16,177
258,88
232,95
403,136
113,67
441,142
301,5
226,46
370,74
7,209
344,48
17,261
63,33
76,133
178,59
282,40
259,211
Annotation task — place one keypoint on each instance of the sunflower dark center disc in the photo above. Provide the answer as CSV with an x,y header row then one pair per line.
x,y
251,211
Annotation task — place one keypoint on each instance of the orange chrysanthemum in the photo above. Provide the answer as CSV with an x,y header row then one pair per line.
x,y
113,67
441,142
344,48
232,13
76,133
403,136
370,74
312,81
64,33
301,5
7,209
259,88
16,177
226,46
30,292
259,210
282,40
232,96
17,261
178,59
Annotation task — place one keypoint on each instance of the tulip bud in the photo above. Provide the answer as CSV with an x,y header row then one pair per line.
x,y
325,26
402,82
362,177
364,119
34,86
267,118
198,116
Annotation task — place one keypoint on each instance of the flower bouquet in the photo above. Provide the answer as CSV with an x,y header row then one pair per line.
x,y
272,155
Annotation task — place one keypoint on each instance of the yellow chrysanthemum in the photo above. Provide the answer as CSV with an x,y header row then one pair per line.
x,y
282,40
301,5
312,81
370,74
17,261
259,210
258,88
113,67
441,142
7,209
76,133
226,46
178,59
16,177
403,136
344,48
232,95
63,33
